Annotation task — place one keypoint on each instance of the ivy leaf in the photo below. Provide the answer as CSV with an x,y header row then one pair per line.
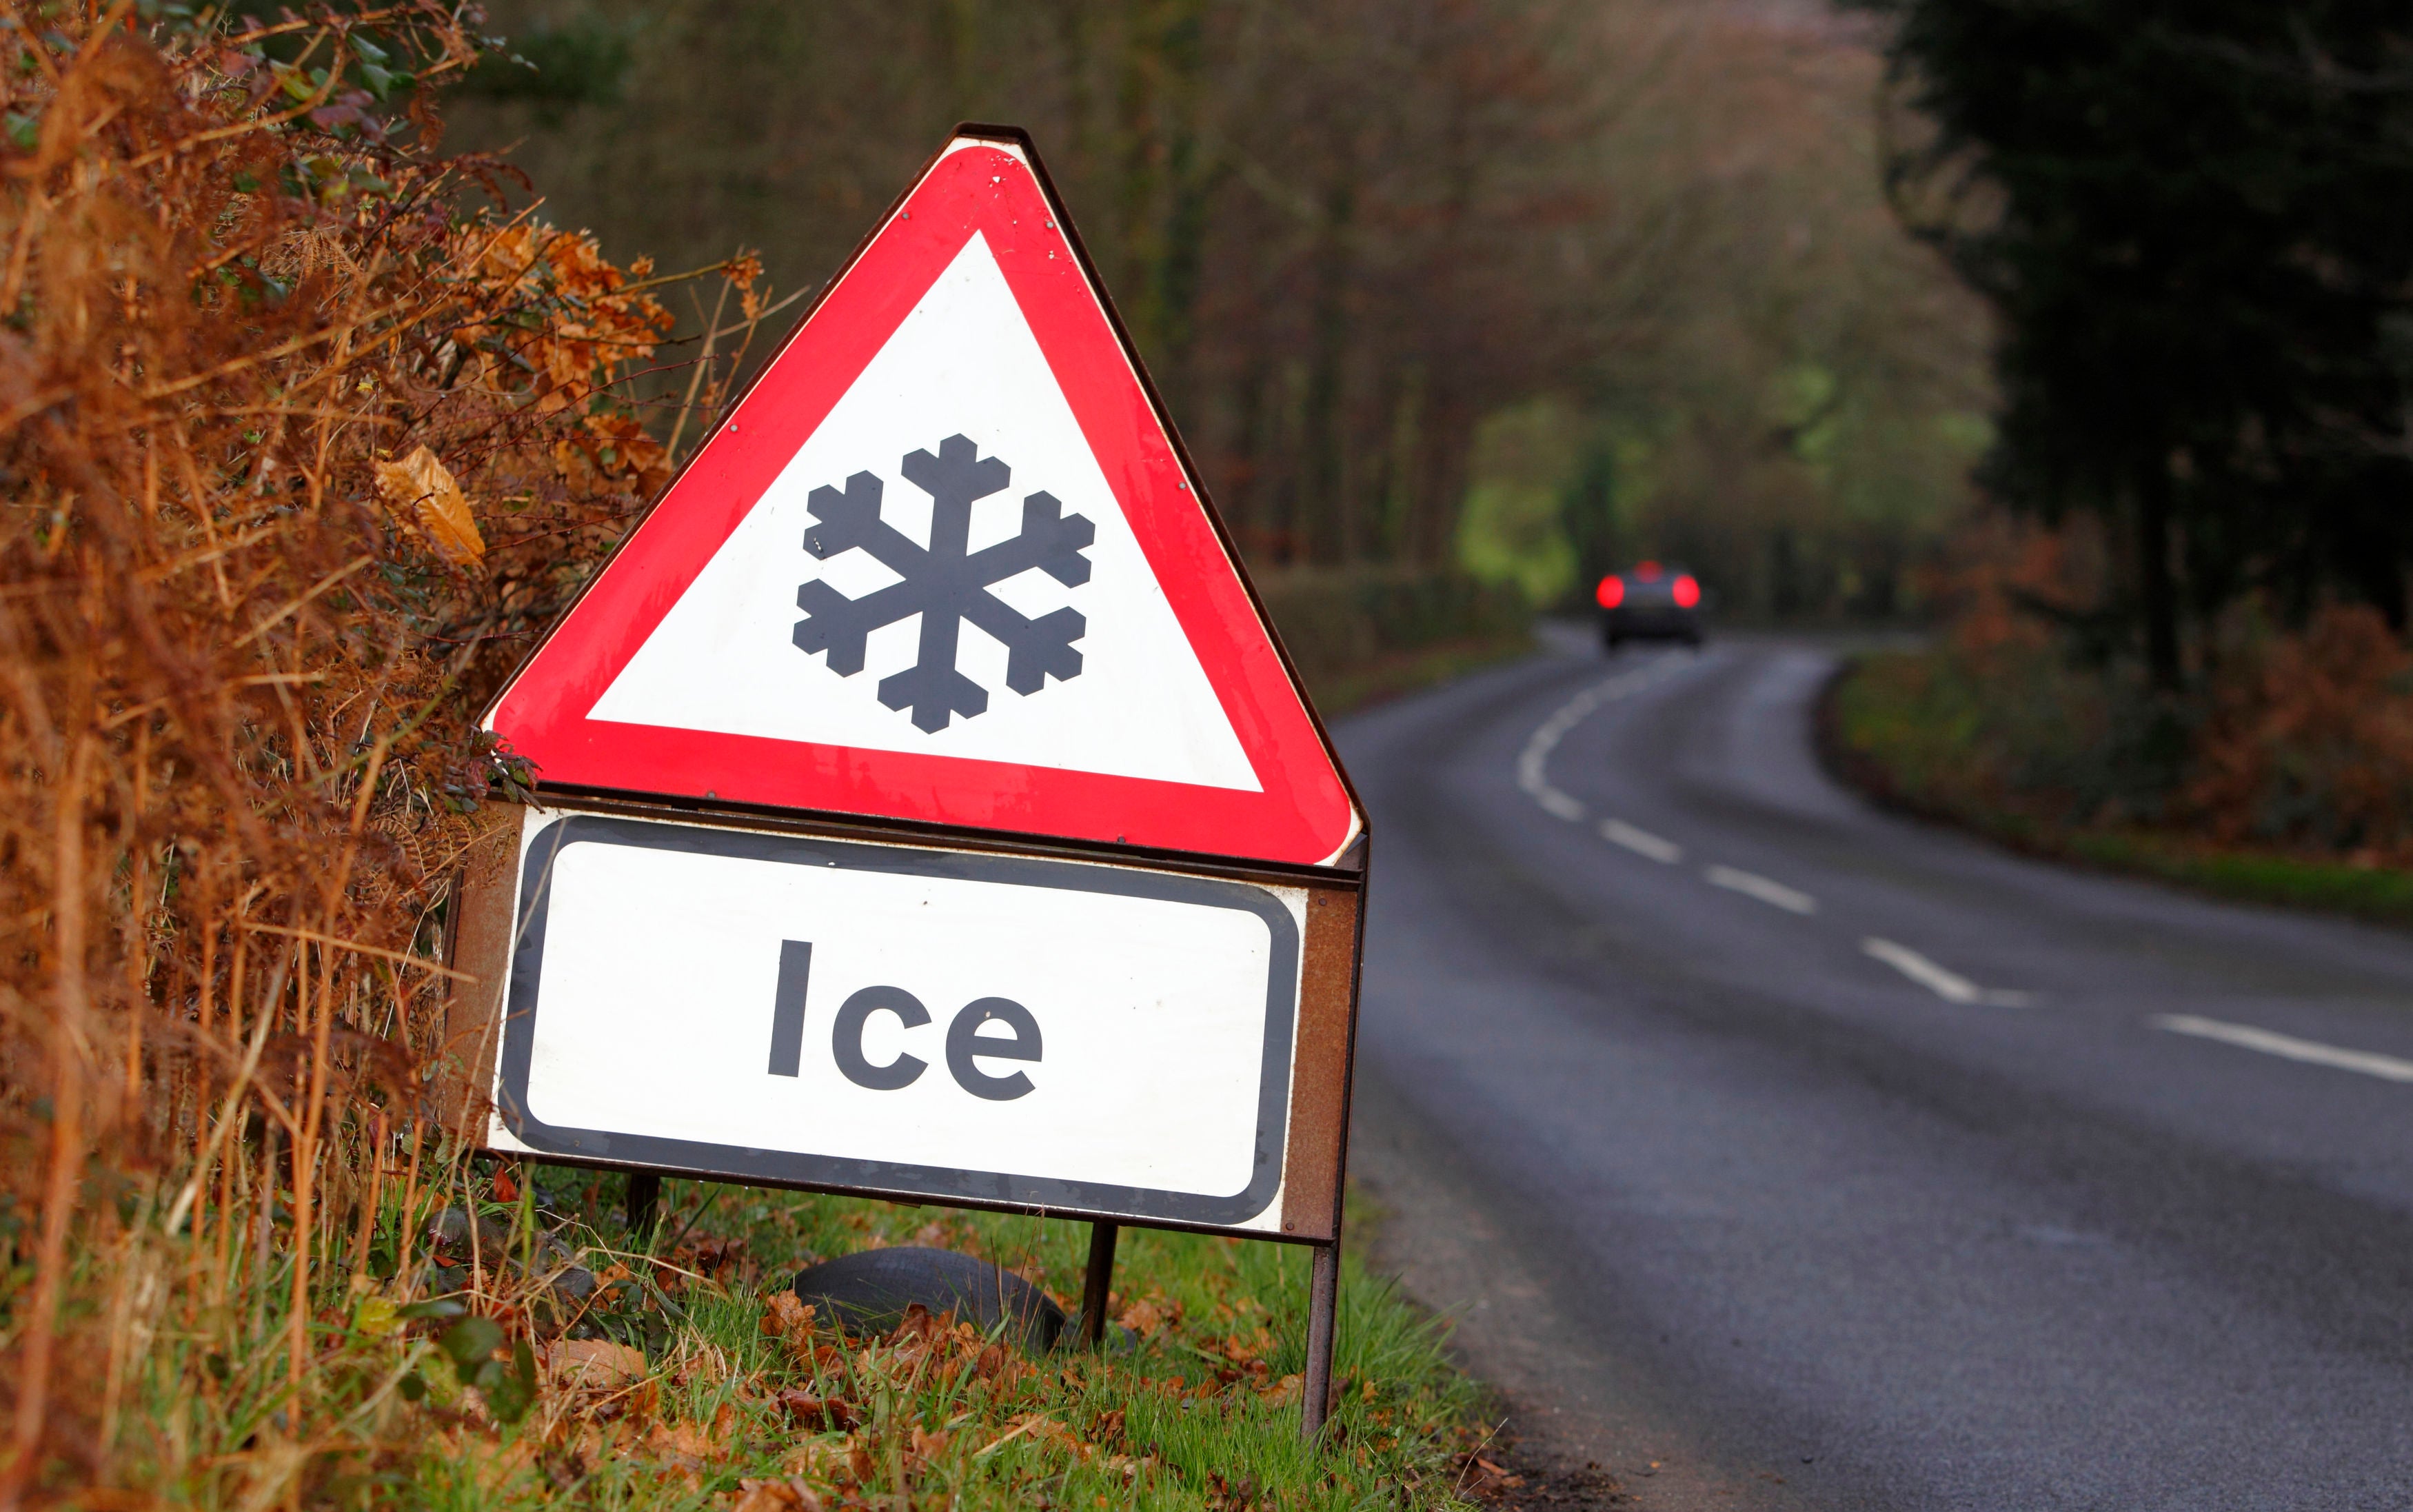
x,y
510,1392
439,1307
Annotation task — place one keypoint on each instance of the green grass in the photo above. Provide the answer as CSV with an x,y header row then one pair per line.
x,y
2377,892
1197,1407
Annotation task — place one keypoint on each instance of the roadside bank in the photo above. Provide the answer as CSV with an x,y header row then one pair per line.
x,y
1918,734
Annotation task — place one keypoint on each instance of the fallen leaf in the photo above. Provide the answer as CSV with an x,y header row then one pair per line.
x,y
838,1415
927,1445
776,1496
593,1362
789,1316
421,493
681,1443
1142,1319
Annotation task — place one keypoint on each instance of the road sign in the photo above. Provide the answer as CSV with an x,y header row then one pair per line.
x,y
960,1026
928,812
944,563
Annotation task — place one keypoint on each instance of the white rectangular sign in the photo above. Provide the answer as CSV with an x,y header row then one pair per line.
x,y
949,1024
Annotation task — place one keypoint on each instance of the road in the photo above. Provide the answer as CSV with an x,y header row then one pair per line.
x,y
1775,1151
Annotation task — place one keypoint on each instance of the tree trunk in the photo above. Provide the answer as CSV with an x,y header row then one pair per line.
x,y
1326,438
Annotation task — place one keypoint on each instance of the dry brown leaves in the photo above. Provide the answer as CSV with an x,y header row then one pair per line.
x,y
1147,1316
297,456
790,1495
592,1364
600,326
2310,742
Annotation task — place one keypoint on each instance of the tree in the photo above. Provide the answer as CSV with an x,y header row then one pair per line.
x,y
2195,220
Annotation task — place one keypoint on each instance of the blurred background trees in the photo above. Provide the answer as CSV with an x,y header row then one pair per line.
x,y
2193,225
1525,287
2196,222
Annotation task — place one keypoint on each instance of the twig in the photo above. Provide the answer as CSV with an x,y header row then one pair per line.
x,y
701,1208
695,378
325,583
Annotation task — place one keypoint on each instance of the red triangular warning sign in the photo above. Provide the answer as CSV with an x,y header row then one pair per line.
x,y
944,563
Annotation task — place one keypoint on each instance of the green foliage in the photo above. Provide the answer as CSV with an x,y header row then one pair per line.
x,y
558,67
1513,529
1512,533
508,1384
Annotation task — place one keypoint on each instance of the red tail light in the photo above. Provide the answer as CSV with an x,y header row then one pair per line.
x,y
1612,591
1647,572
1687,593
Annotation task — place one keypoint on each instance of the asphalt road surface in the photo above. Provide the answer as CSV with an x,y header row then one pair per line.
x,y
1775,1151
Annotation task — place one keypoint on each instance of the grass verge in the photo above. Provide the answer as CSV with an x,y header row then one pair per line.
x,y
1897,740
1397,673
486,1375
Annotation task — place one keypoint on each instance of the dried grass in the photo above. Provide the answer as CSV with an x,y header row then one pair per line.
x,y
297,456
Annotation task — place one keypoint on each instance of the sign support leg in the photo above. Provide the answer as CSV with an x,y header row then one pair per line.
x,y
1095,1283
1323,1316
644,1203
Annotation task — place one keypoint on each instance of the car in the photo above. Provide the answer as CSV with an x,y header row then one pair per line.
x,y
1650,602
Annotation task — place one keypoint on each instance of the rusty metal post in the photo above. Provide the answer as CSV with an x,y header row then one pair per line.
x,y
1323,1320
644,1203
1096,1282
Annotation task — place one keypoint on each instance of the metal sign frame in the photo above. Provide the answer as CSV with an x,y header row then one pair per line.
x,y
485,932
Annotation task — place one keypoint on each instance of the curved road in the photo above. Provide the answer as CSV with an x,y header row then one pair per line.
x,y
1778,1153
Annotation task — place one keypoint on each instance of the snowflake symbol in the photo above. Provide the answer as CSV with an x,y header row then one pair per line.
x,y
945,584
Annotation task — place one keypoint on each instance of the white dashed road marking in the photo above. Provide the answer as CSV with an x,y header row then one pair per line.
x,y
1752,885
1640,841
1560,806
1949,985
1534,762
1533,776
2287,1046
